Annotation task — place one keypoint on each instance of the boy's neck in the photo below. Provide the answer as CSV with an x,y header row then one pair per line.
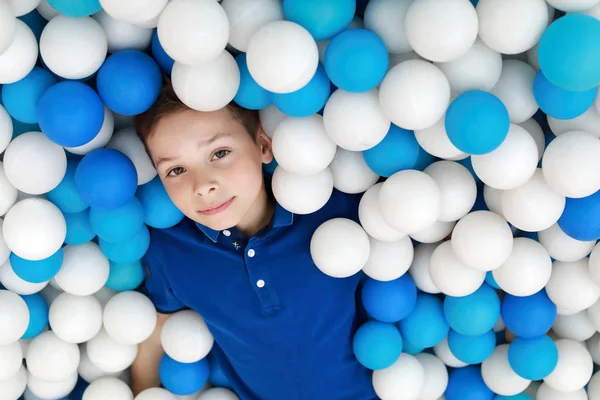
x,y
259,215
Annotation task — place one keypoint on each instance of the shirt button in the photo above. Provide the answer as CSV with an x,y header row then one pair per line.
x,y
226,233
260,283
251,253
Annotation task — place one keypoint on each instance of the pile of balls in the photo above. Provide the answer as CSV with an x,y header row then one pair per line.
x,y
471,127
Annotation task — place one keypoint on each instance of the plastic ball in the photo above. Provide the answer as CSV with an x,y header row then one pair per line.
x,y
125,276
270,117
399,150
109,355
88,371
160,55
302,146
419,269
38,316
14,316
250,94
515,90
19,58
573,6
6,129
426,325
79,229
37,271
594,264
594,386
434,233
477,122
7,23
246,17
129,317
180,378
73,48
536,132
545,392
389,301
308,100
377,345
121,35
414,94
474,314
51,359
405,378
11,360
101,138
185,337
107,388
323,19
155,394
458,190
389,260
351,174
129,250
533,359
467,381
144,13
20,98
369,213
436,142
382,16
574,368
119,224
75,8
573,38
127,142
587,122
560,103
562,247
499,376
442,351
218,393
528,316
580,218
159,210
472,349
84,271
14,386
450,275
578,326
302,194
75,319
436,376
570,287
12,282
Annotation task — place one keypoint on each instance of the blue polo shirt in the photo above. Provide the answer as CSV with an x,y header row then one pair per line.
x,y
283,329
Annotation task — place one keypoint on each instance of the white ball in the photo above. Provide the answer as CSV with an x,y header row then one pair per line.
x,y
419,269
34,229
450,275
11,359
593,346
441,31
512,26
102,137
301,145
536,132
573,5
73,48
209,86
355,121
410,201
593,314
282,56
218,393
51,359
478,69
270,118
14,283
14,387
594,264
436,376
457,186
247,16
4,250
526,271
434,233
84,270
482,240
571,286
405,379
108,388
545,392
435,141
104,295
33,164
386,18
140,12
155,394
562,247
576,327
129,317
350,171
123,121
302,194
110,355
499,376
574,369
389,260
6,127
185,337
515,90
369,214
121,35
396,59
442,351
22,7
128,143
588,122
90,371
493,199
340,247
19,58
414,94
51,390
571,164
75,319
7,25
594,386
46,10
49,293
8,195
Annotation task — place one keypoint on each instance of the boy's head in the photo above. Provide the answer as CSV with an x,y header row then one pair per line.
x,y
210,163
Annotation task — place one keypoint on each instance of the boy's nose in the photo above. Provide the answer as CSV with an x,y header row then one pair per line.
x,y
205,186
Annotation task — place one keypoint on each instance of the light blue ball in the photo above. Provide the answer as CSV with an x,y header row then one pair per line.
x,y
250,94
474,314
20,99
569,52
409,348
490,280
307,100
426,325
356,60
529,316
389,301
472,349
164,61
65,196
124,277
37,271
76,8
38,315
467,383
119,224
581,218
477,122
129,251
20,128
183,378
377,345
520,396
159,210
322,18
560,103
533,359
79,229
398,151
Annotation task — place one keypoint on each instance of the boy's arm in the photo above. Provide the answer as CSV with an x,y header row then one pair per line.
x,y
144,370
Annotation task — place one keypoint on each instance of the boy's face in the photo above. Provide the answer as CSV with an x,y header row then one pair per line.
x,y
210,166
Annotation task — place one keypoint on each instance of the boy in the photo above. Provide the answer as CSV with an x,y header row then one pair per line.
x,y
283,329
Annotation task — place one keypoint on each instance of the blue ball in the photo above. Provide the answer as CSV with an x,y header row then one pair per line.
x,y
490,280
129,251
159,210
520,396
37,271
477,122
409,348
424,160
20,99
65,196
467,383
125,276
183,378
534,358
474,314
79,229
35,22
250,94
356,60
426,326
389,301
76,8
377,345
129,82
398,151
529,316
569,52
581,218
307,100
270,167
38,315
560,103
472,349
106,179
322,18
119,224
70,113
164,61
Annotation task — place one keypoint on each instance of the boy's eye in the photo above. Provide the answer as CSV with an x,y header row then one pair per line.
x,y
176,171
221,153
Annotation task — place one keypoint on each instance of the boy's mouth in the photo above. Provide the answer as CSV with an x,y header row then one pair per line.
x,y
216,208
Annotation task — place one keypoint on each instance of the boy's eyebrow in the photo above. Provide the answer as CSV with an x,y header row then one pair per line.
x,y
203,143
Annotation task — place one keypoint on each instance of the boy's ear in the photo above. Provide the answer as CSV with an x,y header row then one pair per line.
x,y
265,144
